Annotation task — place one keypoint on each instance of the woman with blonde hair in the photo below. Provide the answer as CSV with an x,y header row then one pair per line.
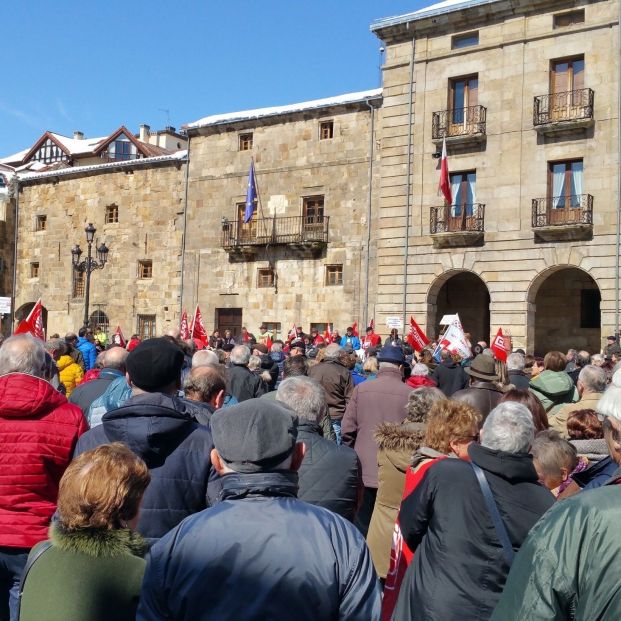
x,y
92,567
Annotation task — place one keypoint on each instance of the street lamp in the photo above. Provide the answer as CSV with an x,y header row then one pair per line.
x,y
89,264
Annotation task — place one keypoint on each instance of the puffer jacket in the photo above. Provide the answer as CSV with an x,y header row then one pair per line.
x,y
38,433
70,373
89,352
274,557
554,389
330,475
175,448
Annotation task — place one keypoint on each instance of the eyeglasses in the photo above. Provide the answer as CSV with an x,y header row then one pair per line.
x,y
474,438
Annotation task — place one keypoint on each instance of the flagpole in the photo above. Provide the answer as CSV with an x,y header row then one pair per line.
x,y
193,320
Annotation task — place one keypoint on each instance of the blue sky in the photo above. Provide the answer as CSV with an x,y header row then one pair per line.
x,y
95,65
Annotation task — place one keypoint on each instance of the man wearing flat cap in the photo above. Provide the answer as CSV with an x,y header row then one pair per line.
x,y
483,393
381,401
156,425
260,553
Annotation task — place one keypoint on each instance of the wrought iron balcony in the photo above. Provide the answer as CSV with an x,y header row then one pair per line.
x,y
306,231
563,211
460,125
457,226
563,110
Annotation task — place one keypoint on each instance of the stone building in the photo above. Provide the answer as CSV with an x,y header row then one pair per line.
x,y
525,92
304,256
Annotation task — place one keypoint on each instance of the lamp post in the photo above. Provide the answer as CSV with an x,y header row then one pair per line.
x,y
89,264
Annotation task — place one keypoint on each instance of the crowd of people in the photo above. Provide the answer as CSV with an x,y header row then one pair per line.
x,y
315,477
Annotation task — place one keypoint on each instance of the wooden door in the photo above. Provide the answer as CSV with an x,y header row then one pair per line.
x,y
462,211
312,217
565,192
463,93
229,319
566,85
246,232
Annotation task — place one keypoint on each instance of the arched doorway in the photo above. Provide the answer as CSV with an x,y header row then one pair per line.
x,y
564,311
99,319
24,310
464,293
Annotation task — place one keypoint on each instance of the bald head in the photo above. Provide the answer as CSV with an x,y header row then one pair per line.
x,y
114,358
205,358
206,384
174,332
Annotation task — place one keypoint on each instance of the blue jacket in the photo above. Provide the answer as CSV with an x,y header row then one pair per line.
x,y
174,446
89,352
261,554
353,340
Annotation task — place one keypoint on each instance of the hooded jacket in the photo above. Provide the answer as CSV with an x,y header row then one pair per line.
x,y
38,432
175,448
554,389
450,377
459,570
262,554
70,373
89,352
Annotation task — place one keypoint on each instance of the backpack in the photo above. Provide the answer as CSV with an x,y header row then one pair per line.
x,y
115,396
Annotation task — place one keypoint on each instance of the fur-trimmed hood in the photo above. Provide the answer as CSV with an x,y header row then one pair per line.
x,y
98,542
399,437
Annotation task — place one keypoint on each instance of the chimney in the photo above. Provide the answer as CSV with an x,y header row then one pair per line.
x,y
78,135
144,132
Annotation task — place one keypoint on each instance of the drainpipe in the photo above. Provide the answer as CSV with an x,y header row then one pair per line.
x,y
618,241
365,313
185,221
15,184
409,192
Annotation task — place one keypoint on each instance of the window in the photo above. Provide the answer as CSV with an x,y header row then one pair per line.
x,y
567,74
41,223
334,275
265,277
123,149
145,268
463,94
565,181
590,316
320,327
273,327
78,284
463,190
34,269
326,130
312,207
112,214
245,142
99,319
146,327
562,20
465,40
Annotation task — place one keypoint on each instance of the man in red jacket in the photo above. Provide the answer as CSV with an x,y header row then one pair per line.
x,y
38,432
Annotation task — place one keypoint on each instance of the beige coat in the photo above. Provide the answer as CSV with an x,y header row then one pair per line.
x,y
558,421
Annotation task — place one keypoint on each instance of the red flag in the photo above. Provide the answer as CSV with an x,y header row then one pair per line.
x,y
268,343
417,338
33,324
499,346
445,181
327,335
184,328
354,328
293,333
23,327
118,338
198,329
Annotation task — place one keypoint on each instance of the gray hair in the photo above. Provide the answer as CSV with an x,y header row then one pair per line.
x,y
608,405
420,369
593,378
553,452
254,362
332,352
53,345
516,362
22,354
276,347
305,396
583,358
597,359
509,428
205,358
240,354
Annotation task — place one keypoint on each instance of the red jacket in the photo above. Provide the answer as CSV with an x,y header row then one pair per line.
x,y
418,381
38,432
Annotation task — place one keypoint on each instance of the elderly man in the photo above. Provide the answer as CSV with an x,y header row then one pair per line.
x,y
449,513
591,386
448,375
72,340
381,401
274,556
243,384
156,425
204,389
38,432
337,382
482,393
330,475
515,370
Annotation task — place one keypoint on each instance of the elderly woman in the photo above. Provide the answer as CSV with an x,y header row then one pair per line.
x,y
420,376
397,443
92,567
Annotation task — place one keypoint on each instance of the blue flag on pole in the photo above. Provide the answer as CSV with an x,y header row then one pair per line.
x,y
251,195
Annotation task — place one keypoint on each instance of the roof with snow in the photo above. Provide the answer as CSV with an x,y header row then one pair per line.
x,y
440,8
246,115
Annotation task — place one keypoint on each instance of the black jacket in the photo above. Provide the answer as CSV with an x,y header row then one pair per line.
x,y
484,396
458,571
519,379
176,449
243,384
199,410
84,394
330,475
450,377
260,554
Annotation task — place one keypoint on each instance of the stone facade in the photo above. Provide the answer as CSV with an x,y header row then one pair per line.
x,y
535,277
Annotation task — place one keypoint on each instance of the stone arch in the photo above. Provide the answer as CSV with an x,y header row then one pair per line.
x,y
563,311
99,318
24,310
463,292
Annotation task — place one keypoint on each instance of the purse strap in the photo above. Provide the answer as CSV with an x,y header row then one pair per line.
x,y
44,547
492,508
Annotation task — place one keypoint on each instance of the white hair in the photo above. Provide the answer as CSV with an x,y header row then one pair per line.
x,y
332,351
509,428
276,347
240,354
254,362
593,378
420,369
608,405
22,354
205,358
516,362
305,396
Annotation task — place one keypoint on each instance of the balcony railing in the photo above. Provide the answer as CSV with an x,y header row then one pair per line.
x,y
563,211
454,219
285,230
564,107
459,123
